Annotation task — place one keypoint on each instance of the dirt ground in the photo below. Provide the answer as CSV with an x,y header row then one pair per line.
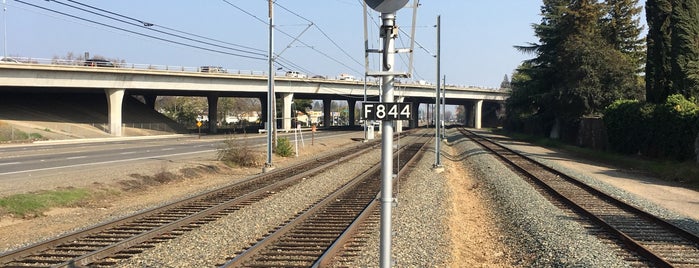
x,y
475,239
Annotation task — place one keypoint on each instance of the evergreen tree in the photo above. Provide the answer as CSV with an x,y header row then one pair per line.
x,y
658,67
505,83
622,29
577,71
685,48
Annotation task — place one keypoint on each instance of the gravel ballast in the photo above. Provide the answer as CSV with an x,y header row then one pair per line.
x,y
475,213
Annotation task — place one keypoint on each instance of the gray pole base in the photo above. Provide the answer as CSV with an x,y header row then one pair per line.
x,y
437,168
267,168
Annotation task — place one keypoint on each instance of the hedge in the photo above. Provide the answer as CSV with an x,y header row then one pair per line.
x,y
667,130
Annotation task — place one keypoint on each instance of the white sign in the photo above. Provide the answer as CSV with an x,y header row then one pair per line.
x,y
387,111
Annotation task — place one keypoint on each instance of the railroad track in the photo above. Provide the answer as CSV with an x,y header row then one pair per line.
x,y
321,233
647,240
108,243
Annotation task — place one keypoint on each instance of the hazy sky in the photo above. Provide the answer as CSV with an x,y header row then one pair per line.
x,y
477,35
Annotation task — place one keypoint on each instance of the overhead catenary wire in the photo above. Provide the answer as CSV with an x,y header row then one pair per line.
x,y
324,54
323,33
148,26
140,34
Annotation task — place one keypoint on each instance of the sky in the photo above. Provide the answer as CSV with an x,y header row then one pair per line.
x,y
313,37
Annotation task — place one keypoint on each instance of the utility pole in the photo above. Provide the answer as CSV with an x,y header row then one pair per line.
x,y
437,162
444,107
4,31
270,91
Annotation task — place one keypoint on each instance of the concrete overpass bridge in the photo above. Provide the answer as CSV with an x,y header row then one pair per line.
x,y
116,82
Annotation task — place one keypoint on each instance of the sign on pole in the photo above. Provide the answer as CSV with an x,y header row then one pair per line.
x,y
384,111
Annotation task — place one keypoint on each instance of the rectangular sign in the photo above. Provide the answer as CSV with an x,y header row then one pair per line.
x,y
386,111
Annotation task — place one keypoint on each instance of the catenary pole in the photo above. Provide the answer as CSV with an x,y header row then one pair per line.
x,y
444,106
437,110
4,31
270,90
388,28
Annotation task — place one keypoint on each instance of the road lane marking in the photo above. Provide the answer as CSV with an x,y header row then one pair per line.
x,y
76,157
10,163
104,162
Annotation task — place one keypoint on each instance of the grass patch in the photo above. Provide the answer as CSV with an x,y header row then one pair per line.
x,y
686,173
10,133
35,204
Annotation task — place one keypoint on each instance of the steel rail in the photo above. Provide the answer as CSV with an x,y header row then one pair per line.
x,y
19,254
638,246
326,259
251,253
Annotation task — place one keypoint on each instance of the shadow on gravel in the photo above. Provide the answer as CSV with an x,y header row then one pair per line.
x,y
464,155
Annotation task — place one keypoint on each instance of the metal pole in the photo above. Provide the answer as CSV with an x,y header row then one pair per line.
x,y
388,27
4,25
444,107
437,162
366,133
270,89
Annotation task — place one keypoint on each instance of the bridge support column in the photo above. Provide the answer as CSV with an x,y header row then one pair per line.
x,y
115,99
399,123
213,113
415,119
351,105
327,115
150,100
287,100
478,114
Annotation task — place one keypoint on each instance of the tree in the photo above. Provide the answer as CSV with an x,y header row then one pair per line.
x,y
576,71
658,65
673,49
684,41
303,105
622,28
505,83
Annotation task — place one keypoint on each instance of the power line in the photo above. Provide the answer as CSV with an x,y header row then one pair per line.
x,y
146,25
292,37
139,34
149,24
323,33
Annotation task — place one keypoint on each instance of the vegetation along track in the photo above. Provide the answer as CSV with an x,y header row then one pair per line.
x,y
316,235
645,240
104,244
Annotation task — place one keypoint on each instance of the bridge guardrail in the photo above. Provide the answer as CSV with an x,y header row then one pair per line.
x,y
123,65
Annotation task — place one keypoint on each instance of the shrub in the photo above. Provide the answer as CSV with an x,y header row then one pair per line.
x,y
284,147
667,130
236,153
675,128
625,126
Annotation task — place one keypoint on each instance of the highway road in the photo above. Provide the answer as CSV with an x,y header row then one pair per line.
x,y
20,163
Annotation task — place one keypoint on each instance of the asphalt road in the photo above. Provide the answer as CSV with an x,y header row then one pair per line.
x,y
40,159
